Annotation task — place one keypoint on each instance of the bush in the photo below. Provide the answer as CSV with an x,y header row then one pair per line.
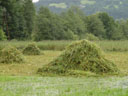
x,y
2,35
82,55
11,55
91,37
31,49
69,35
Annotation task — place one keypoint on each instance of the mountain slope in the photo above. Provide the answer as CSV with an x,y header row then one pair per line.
x,y
116,8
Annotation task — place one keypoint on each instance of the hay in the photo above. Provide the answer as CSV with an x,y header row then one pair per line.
x,y
11,55
31,49
82,55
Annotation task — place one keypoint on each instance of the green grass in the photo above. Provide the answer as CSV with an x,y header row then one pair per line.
x,y
60,45
113,45
63,86
44,45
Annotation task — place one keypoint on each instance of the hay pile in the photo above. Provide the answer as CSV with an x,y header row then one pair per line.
x,y
31,49
83,56
11,55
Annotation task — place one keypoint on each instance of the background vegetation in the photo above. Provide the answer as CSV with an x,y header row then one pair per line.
x,y
117,46
19,20
116,8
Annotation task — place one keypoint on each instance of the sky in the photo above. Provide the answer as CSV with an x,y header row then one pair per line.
x,y
35,1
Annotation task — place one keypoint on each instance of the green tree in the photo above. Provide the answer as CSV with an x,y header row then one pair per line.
x,y
2,35
29,15
123,27
95,26
109,25
49,26
74,21
1,16
13,23
16,21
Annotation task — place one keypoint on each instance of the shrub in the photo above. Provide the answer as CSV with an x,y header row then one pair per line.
x,y
69,35
91,37
31,49
11,55
2,35
82,55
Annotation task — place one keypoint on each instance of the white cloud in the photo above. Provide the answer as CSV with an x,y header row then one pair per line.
x,y
35,1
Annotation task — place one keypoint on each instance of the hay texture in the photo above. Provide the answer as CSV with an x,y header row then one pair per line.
x,y
11,55
31,49
82,55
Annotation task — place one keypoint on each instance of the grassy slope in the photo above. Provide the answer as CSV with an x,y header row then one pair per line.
x,y
21,79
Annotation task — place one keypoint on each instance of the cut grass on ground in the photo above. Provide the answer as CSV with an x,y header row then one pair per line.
x,y
30,67
21,79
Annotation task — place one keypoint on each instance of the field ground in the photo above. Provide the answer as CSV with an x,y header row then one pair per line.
x,y
22,80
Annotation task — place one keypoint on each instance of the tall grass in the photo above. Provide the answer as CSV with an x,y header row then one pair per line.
x,y
60,45
113,45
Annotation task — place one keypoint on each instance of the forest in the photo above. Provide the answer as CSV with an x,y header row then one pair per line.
x,y
19,20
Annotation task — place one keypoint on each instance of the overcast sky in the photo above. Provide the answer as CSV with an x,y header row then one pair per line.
x,y
35,1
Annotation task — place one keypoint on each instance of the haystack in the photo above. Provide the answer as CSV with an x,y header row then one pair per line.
x,y
11,55
31,49
82,55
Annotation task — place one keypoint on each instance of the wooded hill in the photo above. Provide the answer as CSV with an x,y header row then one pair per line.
x,y
116,8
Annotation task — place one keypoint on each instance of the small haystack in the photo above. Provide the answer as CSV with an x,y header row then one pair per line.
x,y
31,49
83,56
11,55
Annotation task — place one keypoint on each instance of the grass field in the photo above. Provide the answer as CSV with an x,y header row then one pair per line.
x,y
22,80
60,45
63,86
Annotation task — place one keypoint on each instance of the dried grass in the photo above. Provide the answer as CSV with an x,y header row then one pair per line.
x,y
31,49
10,54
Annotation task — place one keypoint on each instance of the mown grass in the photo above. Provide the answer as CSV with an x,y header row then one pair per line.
x,y
32,63
22,80
60,45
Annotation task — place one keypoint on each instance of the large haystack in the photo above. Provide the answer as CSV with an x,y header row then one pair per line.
x,y
11,55
82,55
31,49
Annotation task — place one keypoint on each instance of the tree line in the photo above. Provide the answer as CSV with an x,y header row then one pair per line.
x,y
19,20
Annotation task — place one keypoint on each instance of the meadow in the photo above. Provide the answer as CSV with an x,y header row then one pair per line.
x,y
60,45
23,80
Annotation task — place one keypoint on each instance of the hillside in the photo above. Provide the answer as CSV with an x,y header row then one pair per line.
x,y
116,8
